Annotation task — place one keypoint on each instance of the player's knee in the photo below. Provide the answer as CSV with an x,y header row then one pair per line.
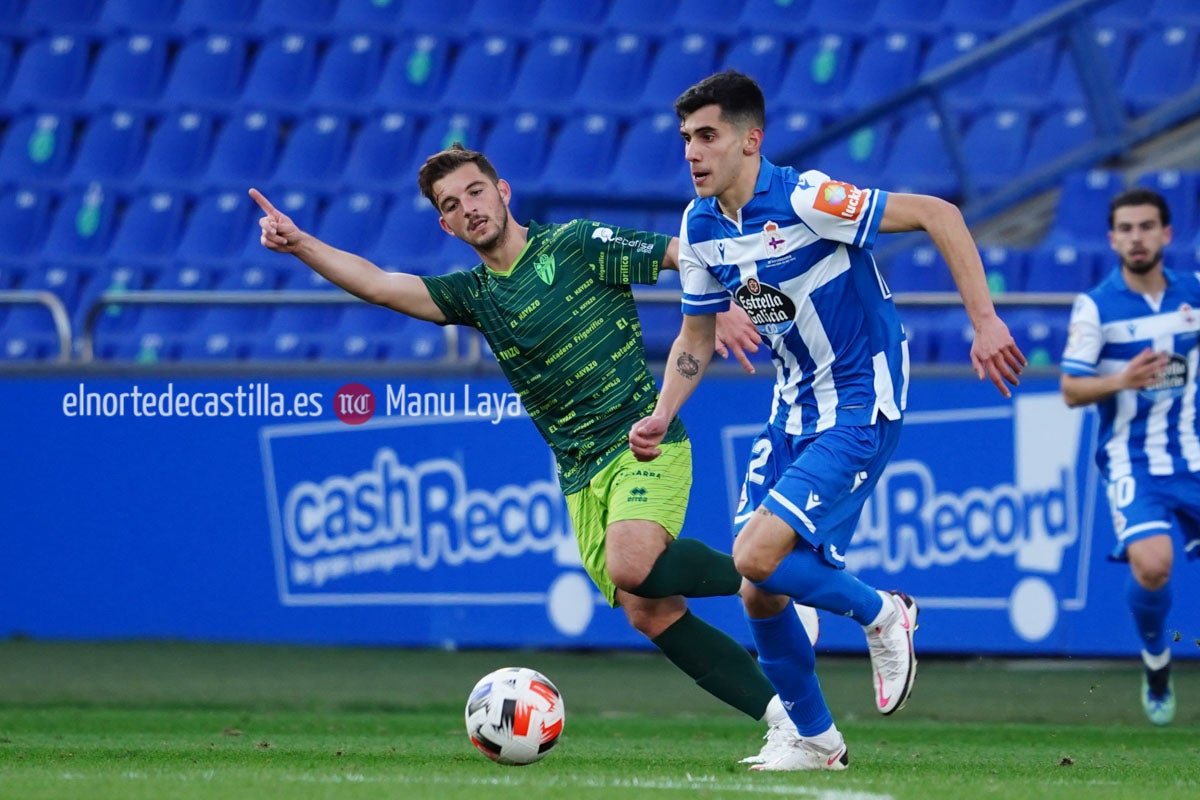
x,y
1152,574
751,565
652,619
628,575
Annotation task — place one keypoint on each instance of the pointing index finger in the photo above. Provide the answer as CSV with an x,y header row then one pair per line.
x,y
263,203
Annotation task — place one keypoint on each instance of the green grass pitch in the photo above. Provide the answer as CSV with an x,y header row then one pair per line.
x,y
146,720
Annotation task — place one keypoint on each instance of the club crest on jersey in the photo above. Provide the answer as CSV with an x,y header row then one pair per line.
x,y
771,311
773,239
839,199
544,266
1188,313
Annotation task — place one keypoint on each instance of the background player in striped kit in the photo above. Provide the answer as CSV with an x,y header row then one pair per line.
x,y
1133,351
794,249
554,303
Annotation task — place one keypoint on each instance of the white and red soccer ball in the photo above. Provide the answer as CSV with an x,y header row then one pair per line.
x,y
514,715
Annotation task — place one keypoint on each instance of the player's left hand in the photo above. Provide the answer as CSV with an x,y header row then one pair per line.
x,y
645,436
737,334
995,355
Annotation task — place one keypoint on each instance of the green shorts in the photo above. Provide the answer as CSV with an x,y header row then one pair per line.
x,y
630,489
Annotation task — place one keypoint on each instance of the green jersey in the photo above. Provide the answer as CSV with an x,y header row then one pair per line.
x,y
563,326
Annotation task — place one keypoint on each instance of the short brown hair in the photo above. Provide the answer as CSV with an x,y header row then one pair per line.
x,y
439,165
1139,196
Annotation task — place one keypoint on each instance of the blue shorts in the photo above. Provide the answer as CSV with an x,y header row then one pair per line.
x,y
817,484
1144,505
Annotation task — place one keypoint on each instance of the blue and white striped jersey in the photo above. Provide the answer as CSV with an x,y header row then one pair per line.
x,y
798,261
1154,428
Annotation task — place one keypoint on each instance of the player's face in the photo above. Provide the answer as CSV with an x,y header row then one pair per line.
x,y
714,149
473,208
1138,237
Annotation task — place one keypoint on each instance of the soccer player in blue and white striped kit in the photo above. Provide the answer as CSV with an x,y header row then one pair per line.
x,y
794,250
1133,351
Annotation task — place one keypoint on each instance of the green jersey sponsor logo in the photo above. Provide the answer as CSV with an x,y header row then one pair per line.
x,y
545,268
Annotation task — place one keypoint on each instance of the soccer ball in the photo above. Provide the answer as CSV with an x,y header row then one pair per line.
x,y
514,715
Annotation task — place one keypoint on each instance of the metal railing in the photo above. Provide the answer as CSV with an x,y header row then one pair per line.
x,y
58,313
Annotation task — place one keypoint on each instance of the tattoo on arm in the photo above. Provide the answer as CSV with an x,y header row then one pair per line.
x,y
766,512
687,365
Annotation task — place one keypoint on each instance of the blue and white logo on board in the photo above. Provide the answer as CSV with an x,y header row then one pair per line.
x,y
434,511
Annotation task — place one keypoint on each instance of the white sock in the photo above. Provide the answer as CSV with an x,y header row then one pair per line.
x,y
828,740
885,613
775,714
1156,662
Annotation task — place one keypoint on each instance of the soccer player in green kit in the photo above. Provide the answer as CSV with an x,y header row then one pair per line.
x,y
554,302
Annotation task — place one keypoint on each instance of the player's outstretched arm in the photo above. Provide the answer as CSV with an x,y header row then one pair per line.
x,y
355,274
1144,369
689,358
994,354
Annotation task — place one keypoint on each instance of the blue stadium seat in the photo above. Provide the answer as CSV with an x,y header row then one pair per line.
x,y
28,334
314,151
410,238
909,16
1005,268
660,325
443,17
709,17
170,322
1040,333
1180,190
1123,13
650,163
830,16
785,19
504,17
548,74
921,330
1082,211
358,16
761,56
885,65
919,269
24,218
244,151
1061,268
991,17
295,333
517,147
67,280
679,62
648,17
858,158
110,149
51,74
574,18
946,49
953,336
582,154
148,228
361,332
36,149
217,227
1057,134
274,16
438,134
414,74
41,16
214,15
493,56
81,226
118,16
351,221
207,72
788,128
110,318
818,70
1114,44
348,74
1021,79
1175,12
423,342
994,147
178,150
129,73
282,72
214,342
381,153
1163,65
918,161
614,72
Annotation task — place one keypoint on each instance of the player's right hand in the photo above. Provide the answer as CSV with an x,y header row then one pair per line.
x,y
645,436
1145,369
279,233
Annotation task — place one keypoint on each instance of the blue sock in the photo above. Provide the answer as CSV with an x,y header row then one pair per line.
x,y
788,660
1149,614
805,577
